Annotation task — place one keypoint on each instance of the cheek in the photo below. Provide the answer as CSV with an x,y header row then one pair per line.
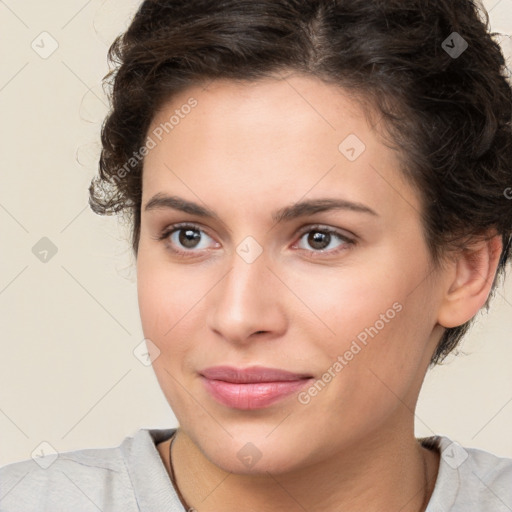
x,y
167,306
372,366
156,296
348,304
377,326
390,364
170,301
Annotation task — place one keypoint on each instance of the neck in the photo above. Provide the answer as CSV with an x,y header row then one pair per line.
x,y
385,473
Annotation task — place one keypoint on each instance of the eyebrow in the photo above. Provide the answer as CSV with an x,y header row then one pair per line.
x,y
287,213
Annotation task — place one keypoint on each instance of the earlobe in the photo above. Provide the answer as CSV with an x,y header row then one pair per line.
x,y
470,282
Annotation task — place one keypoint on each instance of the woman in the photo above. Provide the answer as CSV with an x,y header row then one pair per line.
x,y
318,196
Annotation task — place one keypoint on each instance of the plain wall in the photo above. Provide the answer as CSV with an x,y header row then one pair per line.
x,y
68,374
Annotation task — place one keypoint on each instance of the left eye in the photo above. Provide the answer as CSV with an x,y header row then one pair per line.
x,y
322,239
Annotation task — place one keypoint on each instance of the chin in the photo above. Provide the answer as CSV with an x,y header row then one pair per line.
x,y
253,458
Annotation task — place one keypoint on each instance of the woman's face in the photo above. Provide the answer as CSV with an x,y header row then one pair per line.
x,y
343,294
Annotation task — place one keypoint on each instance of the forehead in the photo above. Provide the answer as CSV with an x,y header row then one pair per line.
x,y
295,134
296,106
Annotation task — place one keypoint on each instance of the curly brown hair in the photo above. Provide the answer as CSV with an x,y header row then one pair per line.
x,y
430,70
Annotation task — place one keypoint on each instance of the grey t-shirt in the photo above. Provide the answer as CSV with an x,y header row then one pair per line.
x,y
132,477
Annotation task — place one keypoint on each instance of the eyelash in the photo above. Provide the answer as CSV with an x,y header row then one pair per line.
x,y
348,242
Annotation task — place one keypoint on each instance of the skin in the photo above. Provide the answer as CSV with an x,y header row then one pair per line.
x,y
246,150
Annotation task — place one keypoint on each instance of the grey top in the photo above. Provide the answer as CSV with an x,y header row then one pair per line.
x,y
132,477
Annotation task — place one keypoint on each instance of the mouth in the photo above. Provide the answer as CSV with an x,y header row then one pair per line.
x,y
251,374
251,388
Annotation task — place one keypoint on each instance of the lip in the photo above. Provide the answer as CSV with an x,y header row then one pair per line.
x,y
251,388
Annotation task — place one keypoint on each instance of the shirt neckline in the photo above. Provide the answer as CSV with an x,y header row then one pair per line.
x,y
151,484
447,482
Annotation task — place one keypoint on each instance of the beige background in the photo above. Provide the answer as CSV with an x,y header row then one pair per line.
x,y
68,375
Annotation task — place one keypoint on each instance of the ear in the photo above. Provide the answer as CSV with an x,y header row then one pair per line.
x,y
469,281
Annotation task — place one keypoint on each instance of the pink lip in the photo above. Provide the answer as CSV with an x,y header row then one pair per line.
x,y
251,388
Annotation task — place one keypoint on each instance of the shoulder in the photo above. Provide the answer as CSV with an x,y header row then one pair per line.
x,y
470,479
489,478
88,479
76,479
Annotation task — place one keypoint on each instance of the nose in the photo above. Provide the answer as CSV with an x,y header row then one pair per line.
x,y
247,302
